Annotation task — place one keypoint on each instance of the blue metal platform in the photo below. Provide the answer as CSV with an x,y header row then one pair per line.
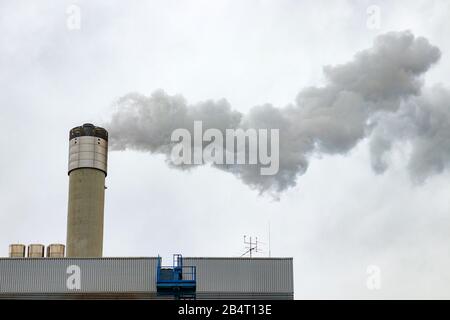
x,y
176,280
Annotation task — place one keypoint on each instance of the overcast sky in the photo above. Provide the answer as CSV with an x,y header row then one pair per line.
x,y
340,218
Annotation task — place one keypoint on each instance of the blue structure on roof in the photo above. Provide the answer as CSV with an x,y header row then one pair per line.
x,y
176,280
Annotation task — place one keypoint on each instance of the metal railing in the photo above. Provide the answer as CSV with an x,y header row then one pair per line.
x,y
176,273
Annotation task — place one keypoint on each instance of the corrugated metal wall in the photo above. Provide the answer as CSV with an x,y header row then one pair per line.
x,y
217,278
243,277
105,275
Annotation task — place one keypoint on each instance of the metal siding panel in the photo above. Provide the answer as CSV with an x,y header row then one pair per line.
x,y
243,275
105,275
88,152
243,296
86,147
217,278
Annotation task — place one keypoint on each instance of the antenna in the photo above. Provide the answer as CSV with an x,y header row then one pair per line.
x,y
252,246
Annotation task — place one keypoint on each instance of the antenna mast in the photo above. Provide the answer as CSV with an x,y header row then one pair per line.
x,y
252,246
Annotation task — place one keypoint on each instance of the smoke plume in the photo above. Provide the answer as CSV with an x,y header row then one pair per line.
x,y
377,95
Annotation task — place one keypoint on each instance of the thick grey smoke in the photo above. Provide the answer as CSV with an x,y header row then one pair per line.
x,y
424,123
377,95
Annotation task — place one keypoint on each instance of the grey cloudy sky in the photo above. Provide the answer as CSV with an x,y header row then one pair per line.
x,y
337,220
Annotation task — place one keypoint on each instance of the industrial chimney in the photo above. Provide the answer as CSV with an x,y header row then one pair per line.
x,y
88,155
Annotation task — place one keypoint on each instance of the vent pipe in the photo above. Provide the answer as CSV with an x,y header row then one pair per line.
x,y
35,251
17,250
55,250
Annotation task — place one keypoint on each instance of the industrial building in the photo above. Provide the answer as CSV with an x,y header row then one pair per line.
x,y
34,272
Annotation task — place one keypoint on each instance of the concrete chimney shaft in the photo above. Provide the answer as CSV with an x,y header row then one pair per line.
x,y
88,159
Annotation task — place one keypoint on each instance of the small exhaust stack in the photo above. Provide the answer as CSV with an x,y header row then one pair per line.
x,y
17,250
88,154
35,251
55,250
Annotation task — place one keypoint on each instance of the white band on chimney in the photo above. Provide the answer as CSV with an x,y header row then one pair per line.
x,y
88,152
